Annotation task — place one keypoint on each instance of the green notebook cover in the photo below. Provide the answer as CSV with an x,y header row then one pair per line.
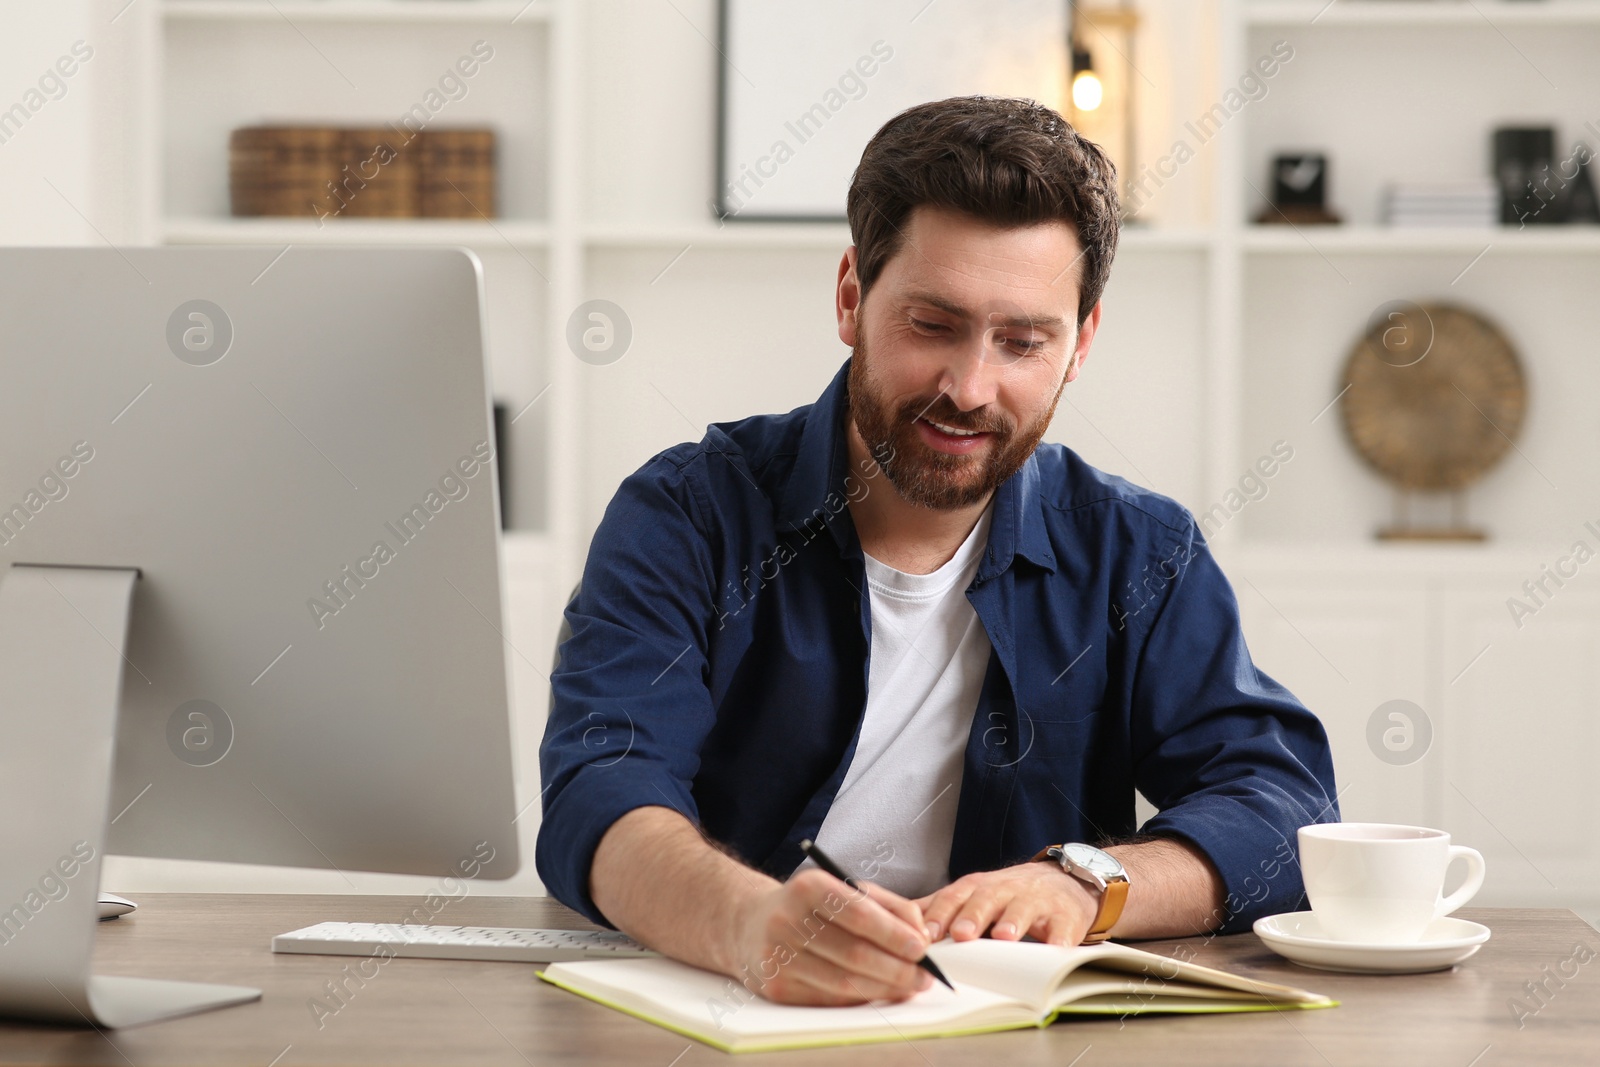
x,y
1000,985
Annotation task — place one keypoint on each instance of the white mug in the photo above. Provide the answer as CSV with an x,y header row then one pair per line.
x,y
1381,883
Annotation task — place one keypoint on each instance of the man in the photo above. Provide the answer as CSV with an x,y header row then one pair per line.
x,y
894,622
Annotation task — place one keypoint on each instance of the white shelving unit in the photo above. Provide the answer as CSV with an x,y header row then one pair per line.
x,y
1409,91
1220,337
427,12
1378,240
220,64
563,244
1396,91
200,231
211,65
1294,14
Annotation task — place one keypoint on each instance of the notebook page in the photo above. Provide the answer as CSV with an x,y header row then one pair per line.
x,y
1137,961
1093,990
1025,971
702,1001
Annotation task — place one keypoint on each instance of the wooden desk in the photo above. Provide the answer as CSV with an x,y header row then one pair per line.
x,y
465,1013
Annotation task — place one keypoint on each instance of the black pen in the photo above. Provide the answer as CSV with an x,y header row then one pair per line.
x,y
809,847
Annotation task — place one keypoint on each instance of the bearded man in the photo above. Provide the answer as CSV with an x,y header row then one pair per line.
x,y
895,622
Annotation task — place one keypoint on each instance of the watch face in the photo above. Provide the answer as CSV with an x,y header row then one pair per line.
x,y
1091,858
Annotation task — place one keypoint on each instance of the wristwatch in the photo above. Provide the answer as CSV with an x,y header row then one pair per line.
x,y
1103,873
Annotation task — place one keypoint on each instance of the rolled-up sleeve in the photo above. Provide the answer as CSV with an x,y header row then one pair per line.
x,y
630,705
1234,763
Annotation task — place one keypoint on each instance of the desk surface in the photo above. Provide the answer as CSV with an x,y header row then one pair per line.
x,y
468,1013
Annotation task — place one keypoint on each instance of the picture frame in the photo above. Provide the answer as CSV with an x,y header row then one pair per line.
x,y
801,88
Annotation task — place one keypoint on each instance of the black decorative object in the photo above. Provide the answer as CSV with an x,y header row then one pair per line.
x,y
1300,180
1582,204
502,432
1299,190
1524,159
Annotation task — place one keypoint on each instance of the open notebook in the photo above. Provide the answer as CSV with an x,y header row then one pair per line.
x,y
999,985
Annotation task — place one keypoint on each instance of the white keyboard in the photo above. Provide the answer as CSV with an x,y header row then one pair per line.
x,y
459,942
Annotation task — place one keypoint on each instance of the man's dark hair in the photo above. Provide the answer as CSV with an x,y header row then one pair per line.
x,y
1009,162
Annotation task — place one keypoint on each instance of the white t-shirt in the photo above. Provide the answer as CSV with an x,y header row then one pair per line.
x,y
895,813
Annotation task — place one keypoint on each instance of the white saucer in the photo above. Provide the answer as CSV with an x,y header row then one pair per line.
x,y
1298,936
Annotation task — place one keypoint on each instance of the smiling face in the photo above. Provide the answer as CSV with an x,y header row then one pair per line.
x,y
969,327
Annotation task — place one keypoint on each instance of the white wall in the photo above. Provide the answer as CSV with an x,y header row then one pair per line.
x,y
724,333
54,144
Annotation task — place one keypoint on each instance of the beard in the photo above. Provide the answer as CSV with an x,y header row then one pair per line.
x,y
922,475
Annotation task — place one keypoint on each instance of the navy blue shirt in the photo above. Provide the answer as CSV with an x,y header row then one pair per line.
x,y
718,666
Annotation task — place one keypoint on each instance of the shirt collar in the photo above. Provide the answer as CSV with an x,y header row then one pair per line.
x,y
822,482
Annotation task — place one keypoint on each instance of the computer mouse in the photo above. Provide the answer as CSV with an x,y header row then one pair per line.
x,y
112,906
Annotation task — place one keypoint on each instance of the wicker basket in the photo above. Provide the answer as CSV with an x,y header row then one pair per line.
x,y
282,170
457,172
378,175
362,172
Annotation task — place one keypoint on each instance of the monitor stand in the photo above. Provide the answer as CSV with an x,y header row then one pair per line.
x,y
63,635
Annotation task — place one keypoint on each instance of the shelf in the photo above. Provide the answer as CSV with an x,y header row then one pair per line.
x,y
516,232
1515,557
1484,13
1300,240
501,11
526,234
825,235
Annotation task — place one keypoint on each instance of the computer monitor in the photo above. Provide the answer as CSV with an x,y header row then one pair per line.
x,y
249,533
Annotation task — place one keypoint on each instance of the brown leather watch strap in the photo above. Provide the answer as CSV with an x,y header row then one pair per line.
x,y
1112,902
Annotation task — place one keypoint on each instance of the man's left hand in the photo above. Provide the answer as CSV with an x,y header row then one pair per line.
x,y
1034,898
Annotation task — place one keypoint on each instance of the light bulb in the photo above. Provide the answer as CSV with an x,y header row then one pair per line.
x,y
1087,91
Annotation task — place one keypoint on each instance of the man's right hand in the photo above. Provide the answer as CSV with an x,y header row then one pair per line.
x,y
810,940
814,940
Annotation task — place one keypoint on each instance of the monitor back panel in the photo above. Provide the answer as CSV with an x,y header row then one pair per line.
x,y
294,448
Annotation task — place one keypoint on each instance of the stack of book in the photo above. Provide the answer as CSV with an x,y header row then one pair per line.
x,y
1474,204
327,172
